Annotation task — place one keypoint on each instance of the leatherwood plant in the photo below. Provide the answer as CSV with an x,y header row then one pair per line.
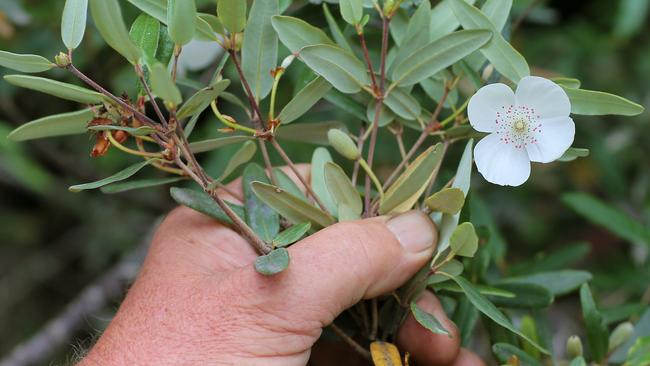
x,y
445,71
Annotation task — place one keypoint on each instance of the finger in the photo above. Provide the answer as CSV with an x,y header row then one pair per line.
x,y
468,358
424,346
339,265
234,191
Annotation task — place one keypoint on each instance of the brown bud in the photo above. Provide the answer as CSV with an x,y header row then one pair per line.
x,y
101,145
120,136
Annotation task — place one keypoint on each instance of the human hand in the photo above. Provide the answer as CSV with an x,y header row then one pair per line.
x,y
199,301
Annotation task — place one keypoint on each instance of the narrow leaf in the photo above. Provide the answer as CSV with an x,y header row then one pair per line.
x,y
260,50
340,67
56,88
406,190
573,153
597,333
342,191
259,216
198,102
239,158
333,26
288,184
308,133
203,203
73,123
213,144
527,296
291,235
319,159
133,131
181,15
557,283
163,86
504,352
291,207
403,104
491,311
438,55
596,103
139,184
428,320
119,176
304,100
203,22
24,63
73,23
108,20
295,33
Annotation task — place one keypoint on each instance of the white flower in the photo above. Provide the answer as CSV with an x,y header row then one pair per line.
x,y
531,124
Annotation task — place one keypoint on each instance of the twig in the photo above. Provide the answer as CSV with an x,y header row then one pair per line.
x,y
152,100
249,92
59,330
351,342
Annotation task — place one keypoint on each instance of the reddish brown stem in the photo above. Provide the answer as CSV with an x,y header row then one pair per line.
x,y
249,93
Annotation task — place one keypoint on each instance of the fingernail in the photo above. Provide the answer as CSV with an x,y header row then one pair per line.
x,y
414,230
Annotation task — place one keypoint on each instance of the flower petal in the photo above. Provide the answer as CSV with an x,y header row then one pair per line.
x,y
545,97
552,139
501,163
484,105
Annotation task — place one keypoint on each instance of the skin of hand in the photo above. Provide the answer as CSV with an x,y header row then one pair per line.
x,y
199,301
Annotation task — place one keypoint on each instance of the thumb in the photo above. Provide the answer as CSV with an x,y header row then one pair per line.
x,y
339,265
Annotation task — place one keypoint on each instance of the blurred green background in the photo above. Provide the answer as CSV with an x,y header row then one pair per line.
x,y
54,243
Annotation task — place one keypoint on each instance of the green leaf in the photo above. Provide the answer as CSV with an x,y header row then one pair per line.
x,y
406,190
504,351
291,235
56,88
443,20
403,104
557,283
73,123
497,11
438,55
339,37
73,23
163,86
260,50
308,133
561,258
259,216
351,11
272,263
452,268
578,361
202,202
319,159
448,200
304,100
340,67
181,15
108,20
573,153
596,103
386,115
597,334
527,296
498,51
465,317
641,329
482,289
464,241
415,35
198,102
139,184
213,26
166,46
213,144
204,23
448,222
145,32
346,104
428,321
491,311
242,156
342,191
232,14
639,354
608,217
117,177
295,33
567,82
24,63
286,183
133,131
291,207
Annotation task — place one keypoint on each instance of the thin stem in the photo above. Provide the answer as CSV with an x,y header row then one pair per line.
x,y
249,92
374,308
371,175
293,168
351,342
230,122
267,161
276,81
355,170
366,56
131,151
152,100
453,116
177,52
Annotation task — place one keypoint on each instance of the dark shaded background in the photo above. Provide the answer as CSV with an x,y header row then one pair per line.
x,y
54,243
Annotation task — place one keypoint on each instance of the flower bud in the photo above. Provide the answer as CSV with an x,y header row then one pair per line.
x,y
343,144
621,334
573,347
62,60
287,61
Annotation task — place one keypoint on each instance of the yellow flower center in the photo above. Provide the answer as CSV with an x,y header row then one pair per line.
x,y
519,125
